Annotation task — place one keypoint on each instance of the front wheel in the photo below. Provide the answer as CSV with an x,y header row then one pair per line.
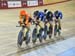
x,y
45,32
20,38
41,34
27,38
34,35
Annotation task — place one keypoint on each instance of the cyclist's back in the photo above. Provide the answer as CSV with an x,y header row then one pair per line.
x,y
49,16
41,16
58,15
24,18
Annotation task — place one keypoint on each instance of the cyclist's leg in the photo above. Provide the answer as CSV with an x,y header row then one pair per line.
x,y
28,35
59,21
41,32
50,28
55,27
55,30
24,34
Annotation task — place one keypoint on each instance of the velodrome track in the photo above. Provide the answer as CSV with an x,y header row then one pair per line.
x,y
9,31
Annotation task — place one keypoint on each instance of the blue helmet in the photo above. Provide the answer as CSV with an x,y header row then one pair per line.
x,y
35,13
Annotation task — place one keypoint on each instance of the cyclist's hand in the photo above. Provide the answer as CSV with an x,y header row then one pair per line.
x,y
20,22
25,24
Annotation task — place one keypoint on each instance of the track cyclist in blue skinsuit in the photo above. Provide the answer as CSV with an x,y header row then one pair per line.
x,y
58,16
40,17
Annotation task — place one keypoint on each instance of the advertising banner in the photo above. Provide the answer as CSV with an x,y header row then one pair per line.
x,y
12,4
32,2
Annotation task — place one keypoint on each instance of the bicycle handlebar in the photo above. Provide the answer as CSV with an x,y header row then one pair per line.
x,y
23,25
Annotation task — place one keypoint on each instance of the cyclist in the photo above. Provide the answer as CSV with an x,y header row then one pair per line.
x,y
58,16
39,17
25,20
49,18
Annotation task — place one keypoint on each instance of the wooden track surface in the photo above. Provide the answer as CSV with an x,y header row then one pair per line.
x,y
10,17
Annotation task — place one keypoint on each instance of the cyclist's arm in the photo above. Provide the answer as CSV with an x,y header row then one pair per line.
x,y
61,15
20,20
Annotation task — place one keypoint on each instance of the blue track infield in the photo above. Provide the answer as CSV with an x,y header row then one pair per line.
x,y
69,52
